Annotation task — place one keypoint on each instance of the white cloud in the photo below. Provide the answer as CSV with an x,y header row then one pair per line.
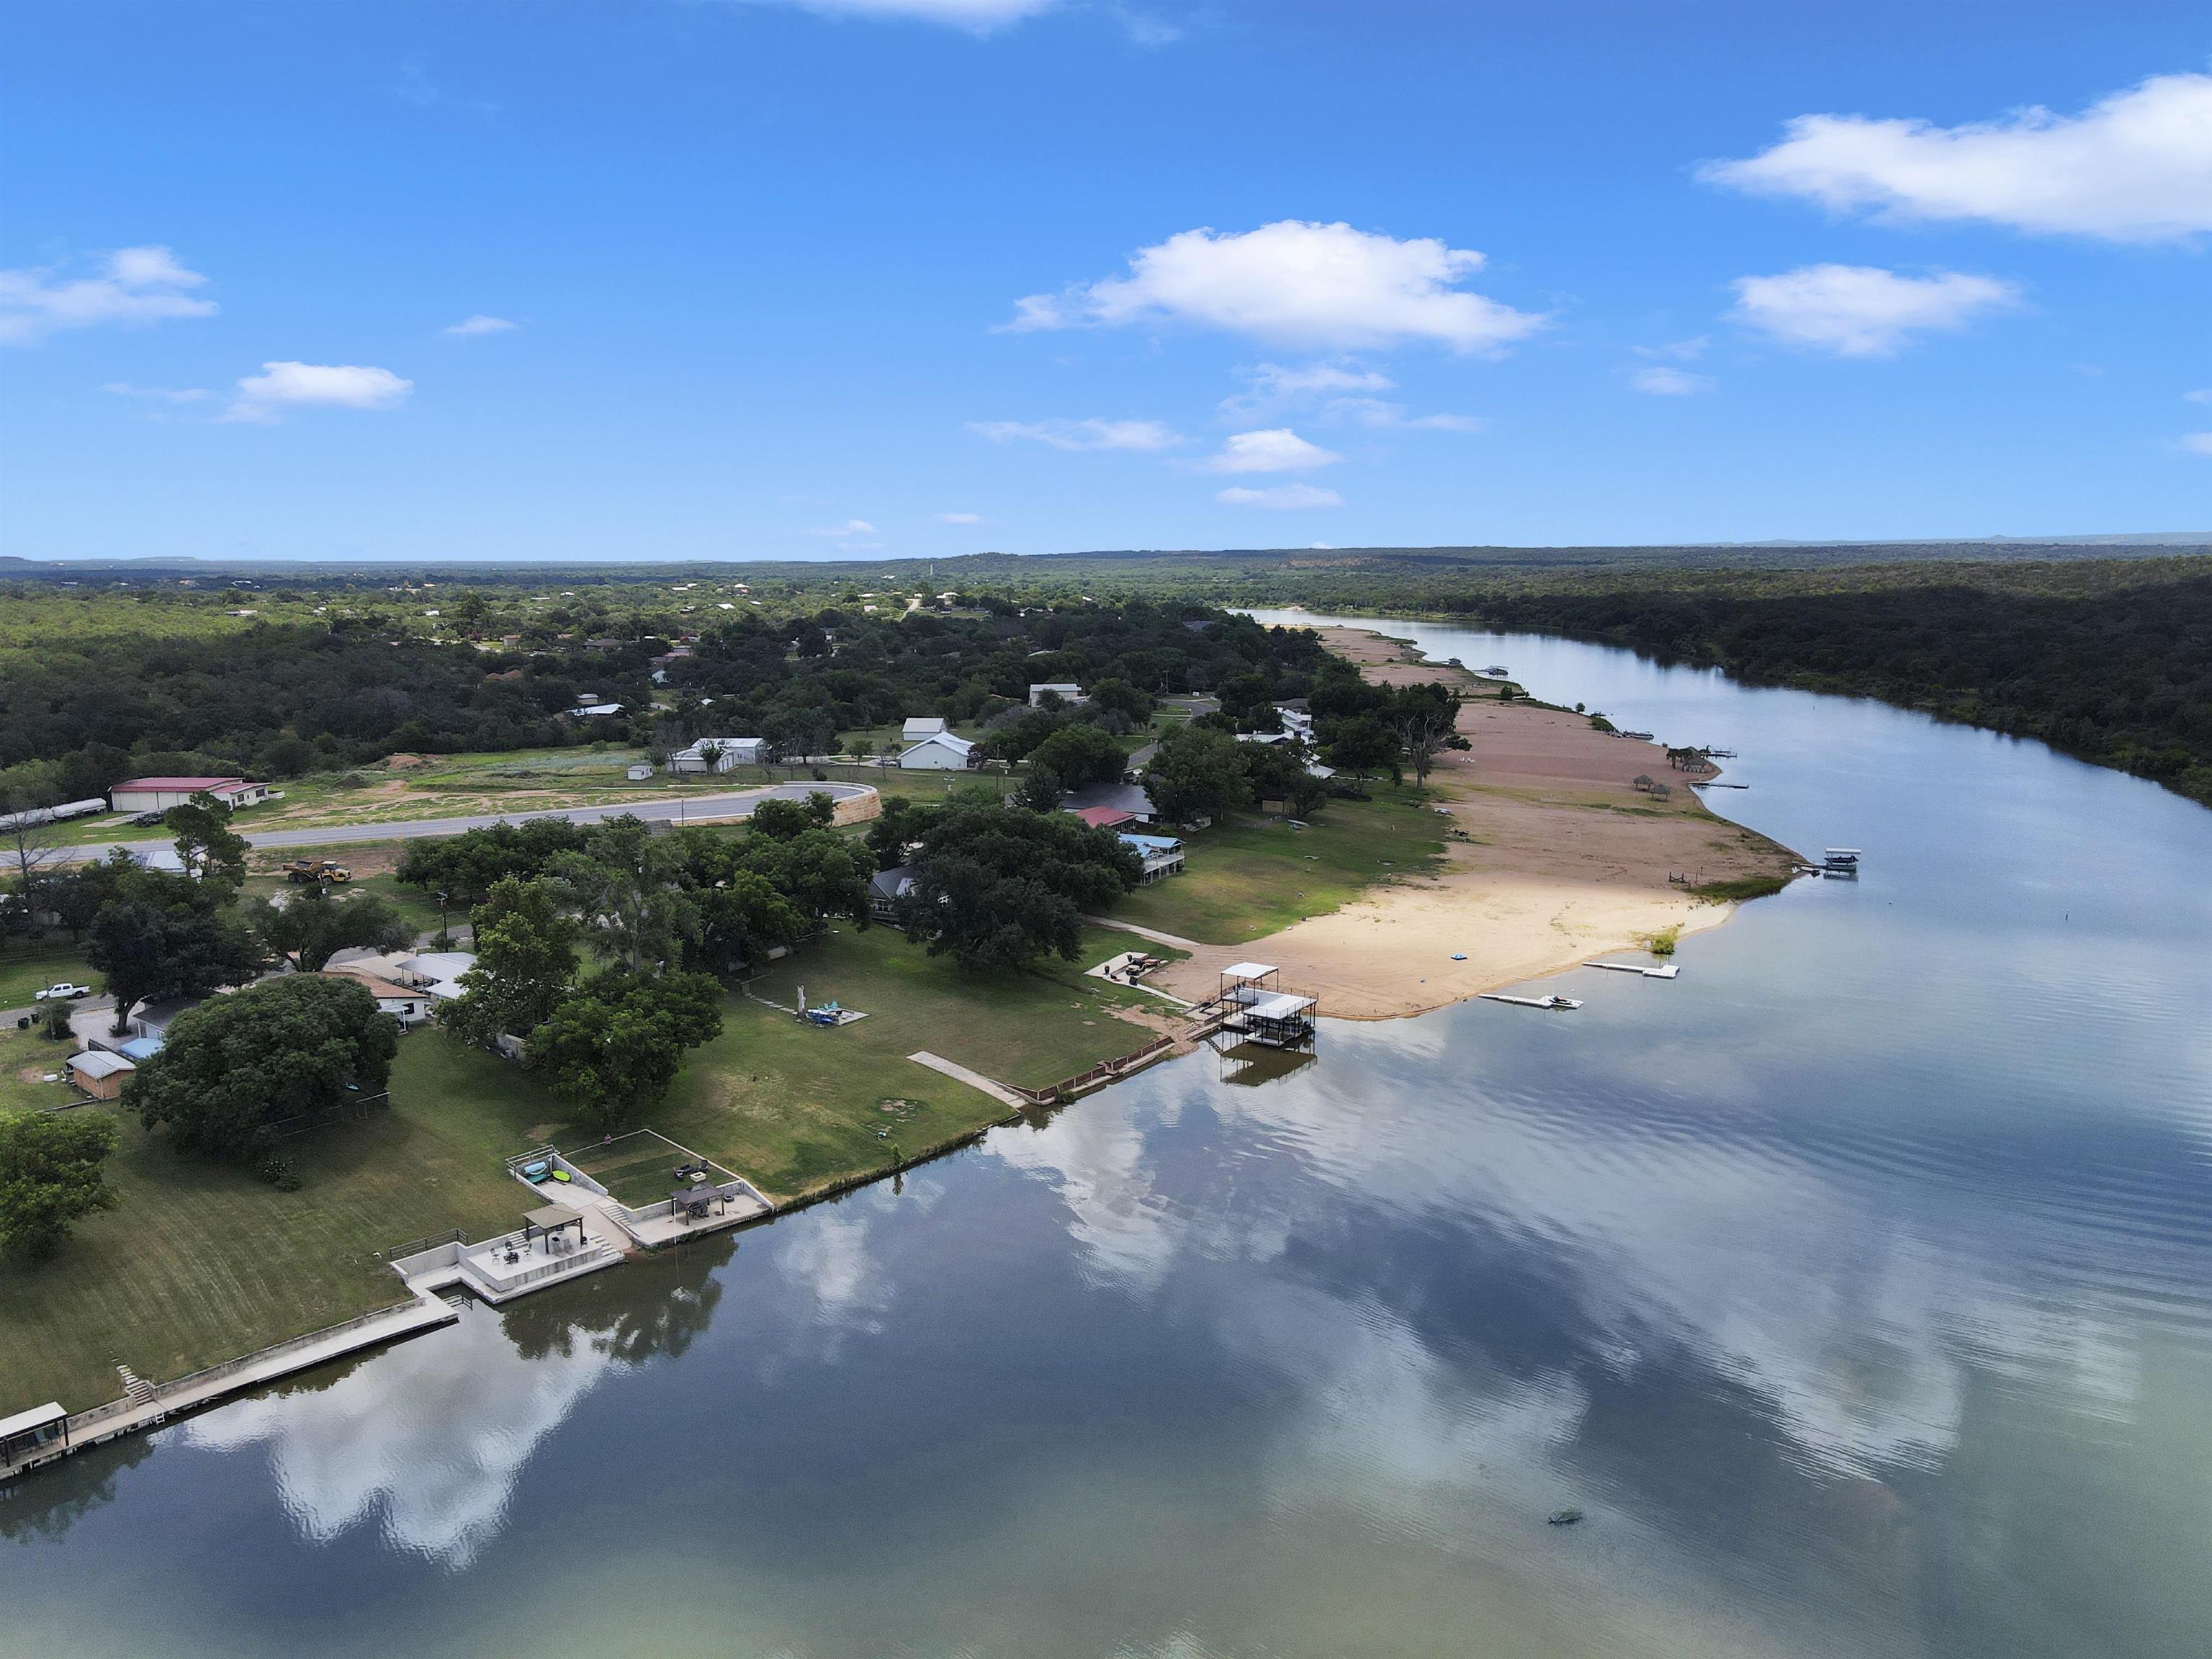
x,y
850,527
189,394
1862,311
263,398
1312,284
1277,449
137,286
1680,351
479,324
1277,388
1280,496
2203,397
1661,381
1376,411
2198,443
1093,434
2136,166
976,16
960,517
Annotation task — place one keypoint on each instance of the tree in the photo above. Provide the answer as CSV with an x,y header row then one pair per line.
x,y
209,849
818,872
1115,696
27,841
311,926
783,820
1196,773
625,884
1080,755
1278,772
49,1176
158,937
999,886
1040,789
526,963
1424,730
466,866
1362,744
615,1046
235,1068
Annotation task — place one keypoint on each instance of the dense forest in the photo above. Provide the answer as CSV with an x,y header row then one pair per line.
x,y
96,688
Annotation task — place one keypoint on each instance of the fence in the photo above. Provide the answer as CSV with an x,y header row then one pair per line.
x,y
398,1253
349,1111
1099,1073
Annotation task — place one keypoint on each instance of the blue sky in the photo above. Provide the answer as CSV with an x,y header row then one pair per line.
x,y
894,277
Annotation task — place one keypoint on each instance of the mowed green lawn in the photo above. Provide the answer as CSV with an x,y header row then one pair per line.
x,y
27,970
797,1108
204,1263
1253,876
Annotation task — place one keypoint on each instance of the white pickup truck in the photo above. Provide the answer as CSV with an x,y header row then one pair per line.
x,y
63,993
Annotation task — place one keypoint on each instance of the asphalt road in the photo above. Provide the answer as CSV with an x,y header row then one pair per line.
x,y
739,804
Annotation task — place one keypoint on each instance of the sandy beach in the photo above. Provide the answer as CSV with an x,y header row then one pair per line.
x,y
1565,860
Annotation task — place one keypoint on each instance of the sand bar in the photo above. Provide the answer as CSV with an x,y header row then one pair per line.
x,y
1565,861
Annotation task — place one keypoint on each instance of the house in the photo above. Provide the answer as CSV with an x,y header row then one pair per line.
x,y
1162,855
1120,797
941,752
160,794
1066,690
639,771
1102,817
919,727
153,1019
1296,720
410,1005
438,972
588,710
99,1074
719,754
887,889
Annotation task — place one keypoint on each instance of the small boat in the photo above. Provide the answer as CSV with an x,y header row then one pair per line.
x,y
536,1172
1552,1004
1498,669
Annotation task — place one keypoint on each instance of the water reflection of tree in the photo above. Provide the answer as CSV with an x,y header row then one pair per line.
x,y
657,1304
49,1502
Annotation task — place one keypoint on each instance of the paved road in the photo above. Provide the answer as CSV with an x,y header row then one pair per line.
x,y
736,804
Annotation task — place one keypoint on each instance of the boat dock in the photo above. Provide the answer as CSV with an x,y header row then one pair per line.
x,y
1665,970
1552,1004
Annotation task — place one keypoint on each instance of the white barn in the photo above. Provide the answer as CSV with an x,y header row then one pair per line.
x,y
160,794
941,752
719,755
919,727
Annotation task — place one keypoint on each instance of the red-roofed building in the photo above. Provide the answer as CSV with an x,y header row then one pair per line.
x,y
1103,817
160,794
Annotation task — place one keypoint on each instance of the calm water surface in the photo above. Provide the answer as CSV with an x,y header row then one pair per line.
x,y
1857,1285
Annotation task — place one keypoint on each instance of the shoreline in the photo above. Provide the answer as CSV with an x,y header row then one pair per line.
x,y
1556,858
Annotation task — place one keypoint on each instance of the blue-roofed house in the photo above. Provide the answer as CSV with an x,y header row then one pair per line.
x,y
1162,855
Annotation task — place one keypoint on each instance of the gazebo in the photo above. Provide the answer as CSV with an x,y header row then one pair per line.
x,y
692,1202
550,1222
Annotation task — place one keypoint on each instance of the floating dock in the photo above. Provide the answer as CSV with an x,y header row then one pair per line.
x,y
1554,1005
1665,970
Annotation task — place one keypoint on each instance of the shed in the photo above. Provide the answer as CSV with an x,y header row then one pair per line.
x,y
719,754
1065,691
99,1074
919,727
160,794
887,888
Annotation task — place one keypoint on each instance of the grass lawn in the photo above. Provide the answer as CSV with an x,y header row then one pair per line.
x,y
637,1167
203,1263
1254,876
25,1058
797,1108
27,970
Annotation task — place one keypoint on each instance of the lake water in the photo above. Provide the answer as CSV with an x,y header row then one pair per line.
x,y
1856,1286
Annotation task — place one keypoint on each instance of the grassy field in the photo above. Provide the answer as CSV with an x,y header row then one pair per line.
x,y
1254,876
636,1168
797,1108
27,969
26,1059
203,1263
